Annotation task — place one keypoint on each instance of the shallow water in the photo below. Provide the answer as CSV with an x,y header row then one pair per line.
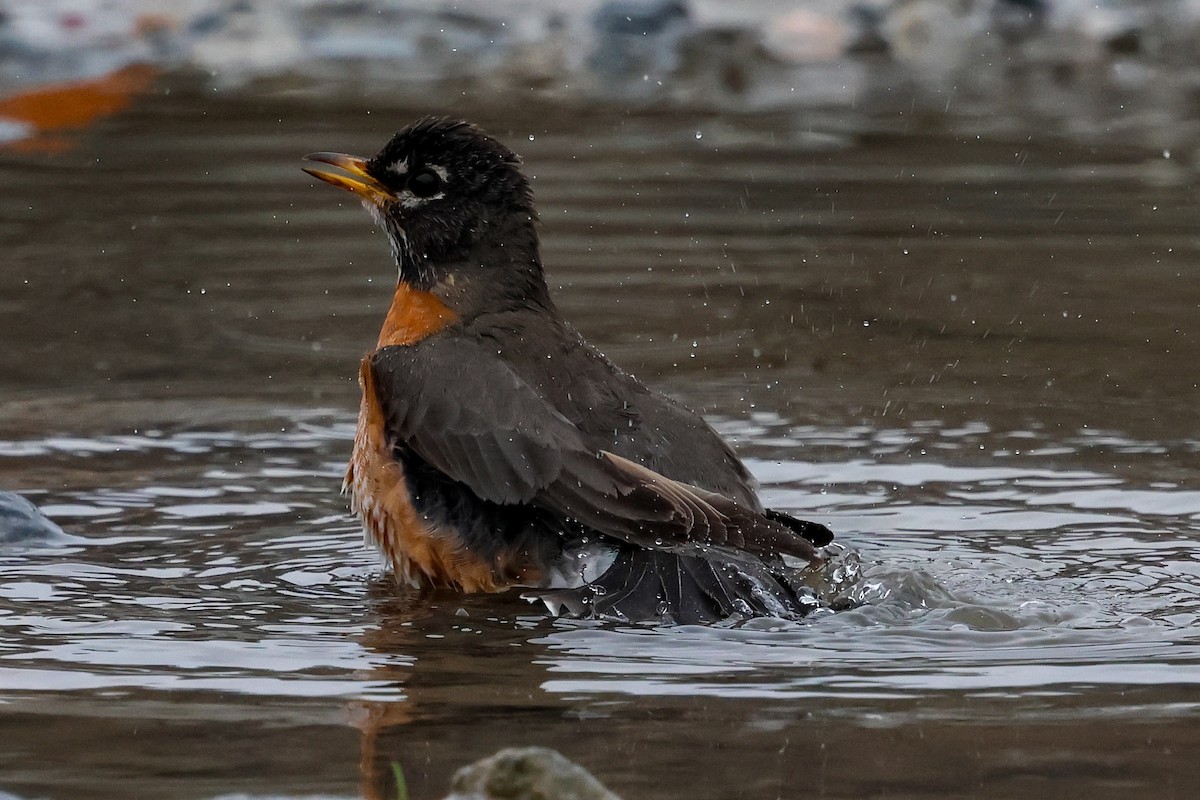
x,y
974,360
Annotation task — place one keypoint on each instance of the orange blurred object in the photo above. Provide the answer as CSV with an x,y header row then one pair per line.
x,y
75,104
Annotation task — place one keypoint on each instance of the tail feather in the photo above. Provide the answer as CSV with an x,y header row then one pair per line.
x,y
625,588
683,589
706,577
814,532
689,591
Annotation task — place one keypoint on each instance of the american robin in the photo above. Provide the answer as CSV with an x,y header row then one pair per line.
x,y
496,448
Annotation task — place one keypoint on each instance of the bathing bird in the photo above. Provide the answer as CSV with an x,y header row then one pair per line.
x,y
496,448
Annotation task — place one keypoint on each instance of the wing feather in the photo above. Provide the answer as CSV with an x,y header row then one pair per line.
x,y
467,414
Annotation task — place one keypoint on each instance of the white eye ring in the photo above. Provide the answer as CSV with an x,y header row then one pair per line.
x,y
411,199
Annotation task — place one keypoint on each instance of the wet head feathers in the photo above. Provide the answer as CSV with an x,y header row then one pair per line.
x,y
476,165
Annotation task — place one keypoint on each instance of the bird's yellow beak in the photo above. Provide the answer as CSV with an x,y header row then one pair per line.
x,y
361,183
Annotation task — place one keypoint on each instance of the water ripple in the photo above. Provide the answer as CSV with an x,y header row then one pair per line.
x,y
248,576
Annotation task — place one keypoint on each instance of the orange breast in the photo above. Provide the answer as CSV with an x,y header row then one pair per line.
x,y
414,315
419,553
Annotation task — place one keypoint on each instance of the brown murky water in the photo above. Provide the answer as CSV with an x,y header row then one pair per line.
x,y
975,360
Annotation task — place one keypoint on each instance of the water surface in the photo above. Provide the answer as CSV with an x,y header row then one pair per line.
x,y
973,359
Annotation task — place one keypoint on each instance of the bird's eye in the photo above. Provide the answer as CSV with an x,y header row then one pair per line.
x,y
424,183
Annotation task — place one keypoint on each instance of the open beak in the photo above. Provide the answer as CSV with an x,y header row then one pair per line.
x,y
360,183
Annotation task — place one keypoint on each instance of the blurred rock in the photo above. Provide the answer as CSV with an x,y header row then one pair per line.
x,y
935,36
242,37
805,35
70,40
1089,66
637,39
529,773
22,523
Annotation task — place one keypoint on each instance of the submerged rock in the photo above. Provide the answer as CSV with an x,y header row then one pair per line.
x,y
528,773
22,523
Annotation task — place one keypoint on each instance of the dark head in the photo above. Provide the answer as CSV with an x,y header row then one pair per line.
x,y
456,209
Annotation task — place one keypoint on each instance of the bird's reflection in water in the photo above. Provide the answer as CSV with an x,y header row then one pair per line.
x,y
460,678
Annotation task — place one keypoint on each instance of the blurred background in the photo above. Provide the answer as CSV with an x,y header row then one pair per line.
x,y
930,265
1108,69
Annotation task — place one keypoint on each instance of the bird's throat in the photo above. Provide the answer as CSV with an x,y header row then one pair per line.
x,y
413,315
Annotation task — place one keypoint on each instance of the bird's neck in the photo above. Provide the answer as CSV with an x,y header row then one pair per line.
x,y
413,315
490,274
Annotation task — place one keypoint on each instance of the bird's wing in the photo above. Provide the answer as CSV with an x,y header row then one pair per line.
x,y
617,413
469,415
